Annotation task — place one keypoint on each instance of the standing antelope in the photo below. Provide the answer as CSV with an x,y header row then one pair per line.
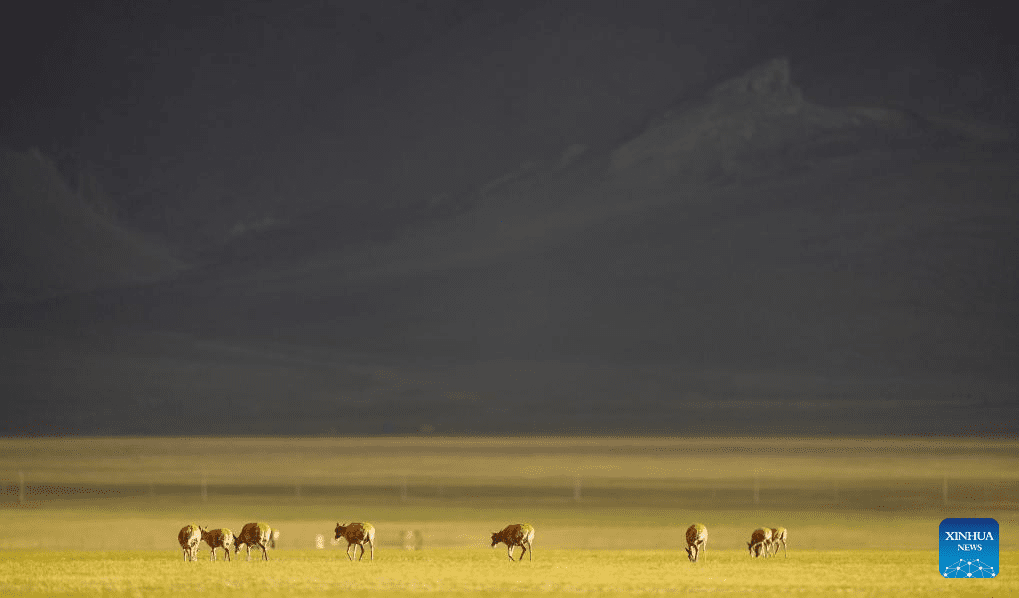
x,y
189,537
696,541
778,536
518,534
759,541
218,538
357,534
256,534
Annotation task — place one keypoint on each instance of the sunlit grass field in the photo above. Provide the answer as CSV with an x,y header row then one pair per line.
x,y
447,571
100,516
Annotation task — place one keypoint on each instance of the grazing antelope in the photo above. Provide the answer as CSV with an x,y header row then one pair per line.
x,y
218,538
189,537
518,534
759,541
778,536
357,534
696,541
256,534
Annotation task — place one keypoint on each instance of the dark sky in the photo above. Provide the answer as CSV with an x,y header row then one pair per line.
x,y
509,217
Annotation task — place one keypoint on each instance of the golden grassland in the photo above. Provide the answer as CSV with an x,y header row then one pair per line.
x,y
101,515
457,572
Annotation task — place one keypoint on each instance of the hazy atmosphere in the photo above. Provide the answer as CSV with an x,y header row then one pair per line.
x,y
495,217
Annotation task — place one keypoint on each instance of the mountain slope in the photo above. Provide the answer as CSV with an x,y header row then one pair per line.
x,y
538,218
54,242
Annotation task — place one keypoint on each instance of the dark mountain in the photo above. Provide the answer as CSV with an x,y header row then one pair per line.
x,y
681,219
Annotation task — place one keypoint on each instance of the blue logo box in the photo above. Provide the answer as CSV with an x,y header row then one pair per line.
x,y
968,548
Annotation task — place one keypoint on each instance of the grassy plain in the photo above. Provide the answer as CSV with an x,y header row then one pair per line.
x,y
459,572
101,515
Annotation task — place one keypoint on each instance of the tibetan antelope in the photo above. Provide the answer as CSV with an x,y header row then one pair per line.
x,y
759,542
357,534
189,538
256,534
218,538
518,534
778,536
696,541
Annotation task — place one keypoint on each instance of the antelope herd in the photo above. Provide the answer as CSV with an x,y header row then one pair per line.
x,y
257,534
763,540
766,539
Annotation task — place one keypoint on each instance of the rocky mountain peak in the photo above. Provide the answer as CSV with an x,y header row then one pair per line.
x,y
740,122
772,78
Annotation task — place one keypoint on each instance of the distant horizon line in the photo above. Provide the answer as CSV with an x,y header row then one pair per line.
x,y
591,436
